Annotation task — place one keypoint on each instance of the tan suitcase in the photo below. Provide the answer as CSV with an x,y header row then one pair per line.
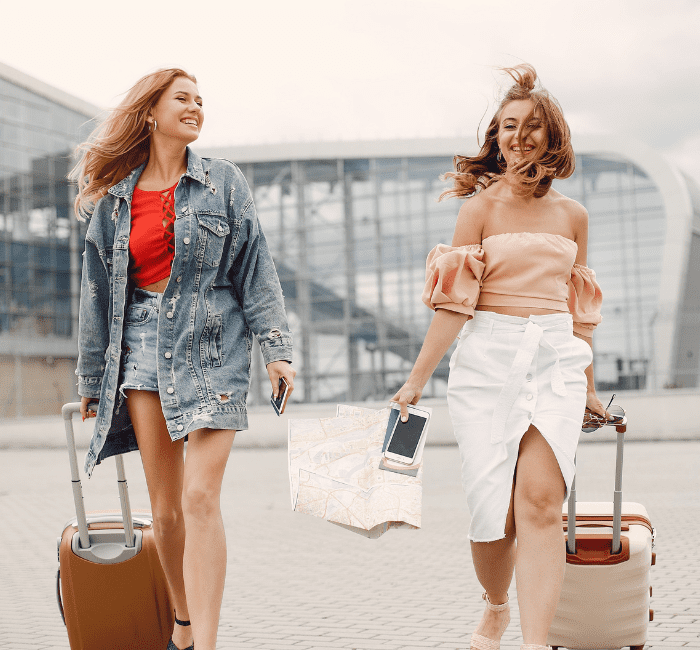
x,y
111,589
605,597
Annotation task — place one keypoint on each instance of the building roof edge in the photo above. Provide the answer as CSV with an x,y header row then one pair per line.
x,y
346,149
673,185
32,84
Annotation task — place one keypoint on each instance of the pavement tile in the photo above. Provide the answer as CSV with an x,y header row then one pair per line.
x,y
297,582
416,643
342,634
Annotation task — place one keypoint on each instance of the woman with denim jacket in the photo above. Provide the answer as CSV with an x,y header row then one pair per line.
x,y
176,275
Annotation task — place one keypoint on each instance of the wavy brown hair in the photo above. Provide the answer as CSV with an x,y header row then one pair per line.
x,y
120,143
553,159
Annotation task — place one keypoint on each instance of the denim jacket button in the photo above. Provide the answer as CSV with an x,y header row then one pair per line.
x,y
169,314
168,355
171,390
186,240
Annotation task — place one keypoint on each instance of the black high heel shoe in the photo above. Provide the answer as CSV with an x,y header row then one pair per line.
x,y
171,645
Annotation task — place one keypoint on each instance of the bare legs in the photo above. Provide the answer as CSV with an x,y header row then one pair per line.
x,y
534,517
186,515
164,466
540,556
205,546
494,562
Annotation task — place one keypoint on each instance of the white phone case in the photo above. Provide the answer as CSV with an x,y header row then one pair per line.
x,y
404,460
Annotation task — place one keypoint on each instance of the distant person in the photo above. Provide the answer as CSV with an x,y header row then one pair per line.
x,y
515,287
176,274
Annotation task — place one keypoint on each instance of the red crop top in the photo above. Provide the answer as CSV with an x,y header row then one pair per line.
x,y
152,239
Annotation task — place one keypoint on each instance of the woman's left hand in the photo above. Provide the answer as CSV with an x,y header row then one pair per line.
x,y
278,369
595,405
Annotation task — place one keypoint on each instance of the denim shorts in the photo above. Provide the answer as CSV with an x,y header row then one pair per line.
x,y
139,364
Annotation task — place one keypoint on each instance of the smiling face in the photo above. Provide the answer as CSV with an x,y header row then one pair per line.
x,y
178,112
514,122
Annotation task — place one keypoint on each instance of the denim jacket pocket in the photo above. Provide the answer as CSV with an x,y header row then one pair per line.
x,y
211,347
213,230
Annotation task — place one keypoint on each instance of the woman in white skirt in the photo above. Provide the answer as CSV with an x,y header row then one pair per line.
x,y
515,288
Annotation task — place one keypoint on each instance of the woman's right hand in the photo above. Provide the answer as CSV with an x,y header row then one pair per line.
x,y
409,393
84,401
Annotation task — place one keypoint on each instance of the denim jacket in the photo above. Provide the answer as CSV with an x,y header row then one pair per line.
x,y
223,284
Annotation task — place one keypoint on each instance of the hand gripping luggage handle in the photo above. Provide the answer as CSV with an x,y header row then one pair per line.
x,y
617,501
67,411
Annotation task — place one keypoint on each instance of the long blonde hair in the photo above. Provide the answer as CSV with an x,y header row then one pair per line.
x,y
555,158
121,143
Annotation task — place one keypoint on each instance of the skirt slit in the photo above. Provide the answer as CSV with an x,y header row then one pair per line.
x,y
506,374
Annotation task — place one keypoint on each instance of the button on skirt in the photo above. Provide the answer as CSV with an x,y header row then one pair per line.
x,y
506,374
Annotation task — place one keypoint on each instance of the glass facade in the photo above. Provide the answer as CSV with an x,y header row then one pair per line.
x,y
350,238
686,352
39,256
627,226
349,234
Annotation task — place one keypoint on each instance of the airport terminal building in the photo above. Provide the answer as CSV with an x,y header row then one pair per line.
x,y
349,225
40,244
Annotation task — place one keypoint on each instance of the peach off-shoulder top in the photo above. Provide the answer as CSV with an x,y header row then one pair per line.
x,y
521,269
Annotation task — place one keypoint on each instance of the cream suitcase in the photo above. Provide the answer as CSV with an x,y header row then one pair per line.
x,y
605,597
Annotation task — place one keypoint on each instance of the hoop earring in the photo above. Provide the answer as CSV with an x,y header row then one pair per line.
x,y
155,125
499,156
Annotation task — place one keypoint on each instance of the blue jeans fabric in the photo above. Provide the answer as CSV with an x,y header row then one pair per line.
x,y
139,366
222,292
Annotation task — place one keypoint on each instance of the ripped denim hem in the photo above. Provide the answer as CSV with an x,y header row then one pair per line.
x,y
127,386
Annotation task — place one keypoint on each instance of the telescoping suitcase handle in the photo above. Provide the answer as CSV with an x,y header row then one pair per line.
x,y
617,500
67,411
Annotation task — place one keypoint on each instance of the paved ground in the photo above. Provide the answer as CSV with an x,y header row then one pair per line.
x,y
297,582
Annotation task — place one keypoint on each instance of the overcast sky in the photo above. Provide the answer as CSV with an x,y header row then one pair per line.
x,y
302,70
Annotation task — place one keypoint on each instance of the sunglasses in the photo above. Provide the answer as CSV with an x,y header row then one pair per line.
x,y
592,421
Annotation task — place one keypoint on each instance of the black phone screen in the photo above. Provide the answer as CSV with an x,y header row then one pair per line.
x,y
406,436
281,392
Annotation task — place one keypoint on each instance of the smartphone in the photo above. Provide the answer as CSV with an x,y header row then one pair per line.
x,y
407,436
282,395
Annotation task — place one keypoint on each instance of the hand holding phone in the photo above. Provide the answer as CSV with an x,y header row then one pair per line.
x,y
406,437
282,395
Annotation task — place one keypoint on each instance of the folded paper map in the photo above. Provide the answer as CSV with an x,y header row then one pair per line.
x,y
334,473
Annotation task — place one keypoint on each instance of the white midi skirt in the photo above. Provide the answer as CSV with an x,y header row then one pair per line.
x,y
506,374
